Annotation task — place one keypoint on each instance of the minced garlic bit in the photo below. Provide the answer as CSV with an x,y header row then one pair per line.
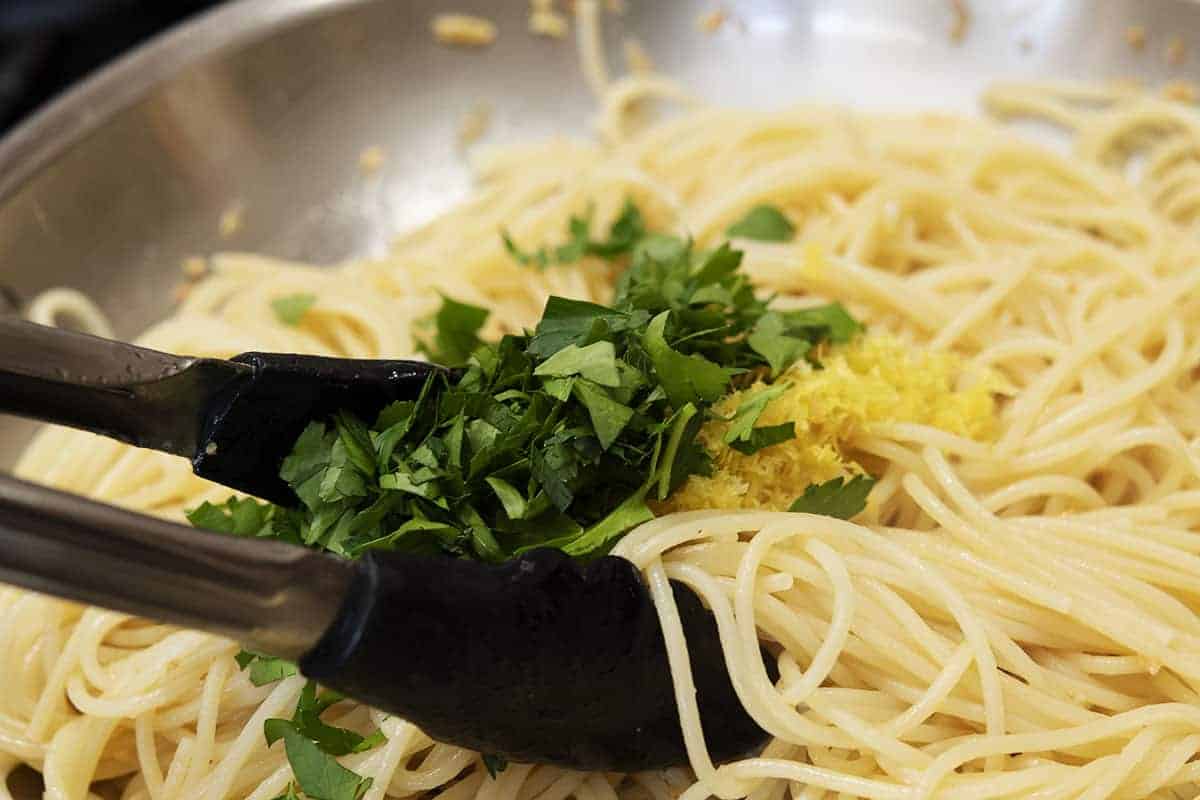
x,y
464,30
1135,35
474,124
861,388
371,160
548,23
962,20
712,21
544,20
231,221
1176,51
194,268
637,60
1180,91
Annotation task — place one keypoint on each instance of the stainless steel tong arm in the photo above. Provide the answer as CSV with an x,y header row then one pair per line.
x,y
270,596
140,396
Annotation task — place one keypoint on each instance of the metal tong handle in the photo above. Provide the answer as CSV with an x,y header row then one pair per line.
x,y
143,397
272,597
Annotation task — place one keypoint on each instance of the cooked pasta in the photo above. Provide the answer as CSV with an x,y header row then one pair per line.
x,y
1015,614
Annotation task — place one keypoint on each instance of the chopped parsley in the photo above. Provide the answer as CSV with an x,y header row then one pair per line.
x,y
312,747
747,439
318,775
265,669
764,223
494,764
456,332
291,309
558,437
626,231
839,497
248,517
832,321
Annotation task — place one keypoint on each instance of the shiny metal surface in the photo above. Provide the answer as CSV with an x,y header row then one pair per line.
x,y
144,397
270,596
267,104
56,354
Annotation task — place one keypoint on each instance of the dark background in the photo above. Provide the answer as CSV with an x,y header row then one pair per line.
x,y
46,45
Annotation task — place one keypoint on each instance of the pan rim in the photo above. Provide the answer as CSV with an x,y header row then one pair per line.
x,y
84,107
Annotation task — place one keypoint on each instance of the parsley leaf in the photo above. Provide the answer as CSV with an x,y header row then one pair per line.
x,y
494,764
718,265
313,745
677,461
832,321
685,378
596,362
318,773
747,439
332,740
609,417
771,340
514,504
565,322
538,258
309,456
356,441
626,231
836,498
625,517
576,245
248,517
456,334
763,437
291,309
765,223
784,337
265,669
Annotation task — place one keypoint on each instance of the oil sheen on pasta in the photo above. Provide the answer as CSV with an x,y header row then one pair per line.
x,y
1016,612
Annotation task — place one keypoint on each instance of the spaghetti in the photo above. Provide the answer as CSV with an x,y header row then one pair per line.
x,y
1012,617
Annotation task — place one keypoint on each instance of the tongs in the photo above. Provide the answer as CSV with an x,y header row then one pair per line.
x,y
540,659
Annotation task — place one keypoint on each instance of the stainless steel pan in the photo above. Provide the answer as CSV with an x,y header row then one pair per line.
x,y
267,104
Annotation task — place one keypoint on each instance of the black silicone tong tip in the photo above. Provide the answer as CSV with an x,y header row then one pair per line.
x,y
540,659
251,425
